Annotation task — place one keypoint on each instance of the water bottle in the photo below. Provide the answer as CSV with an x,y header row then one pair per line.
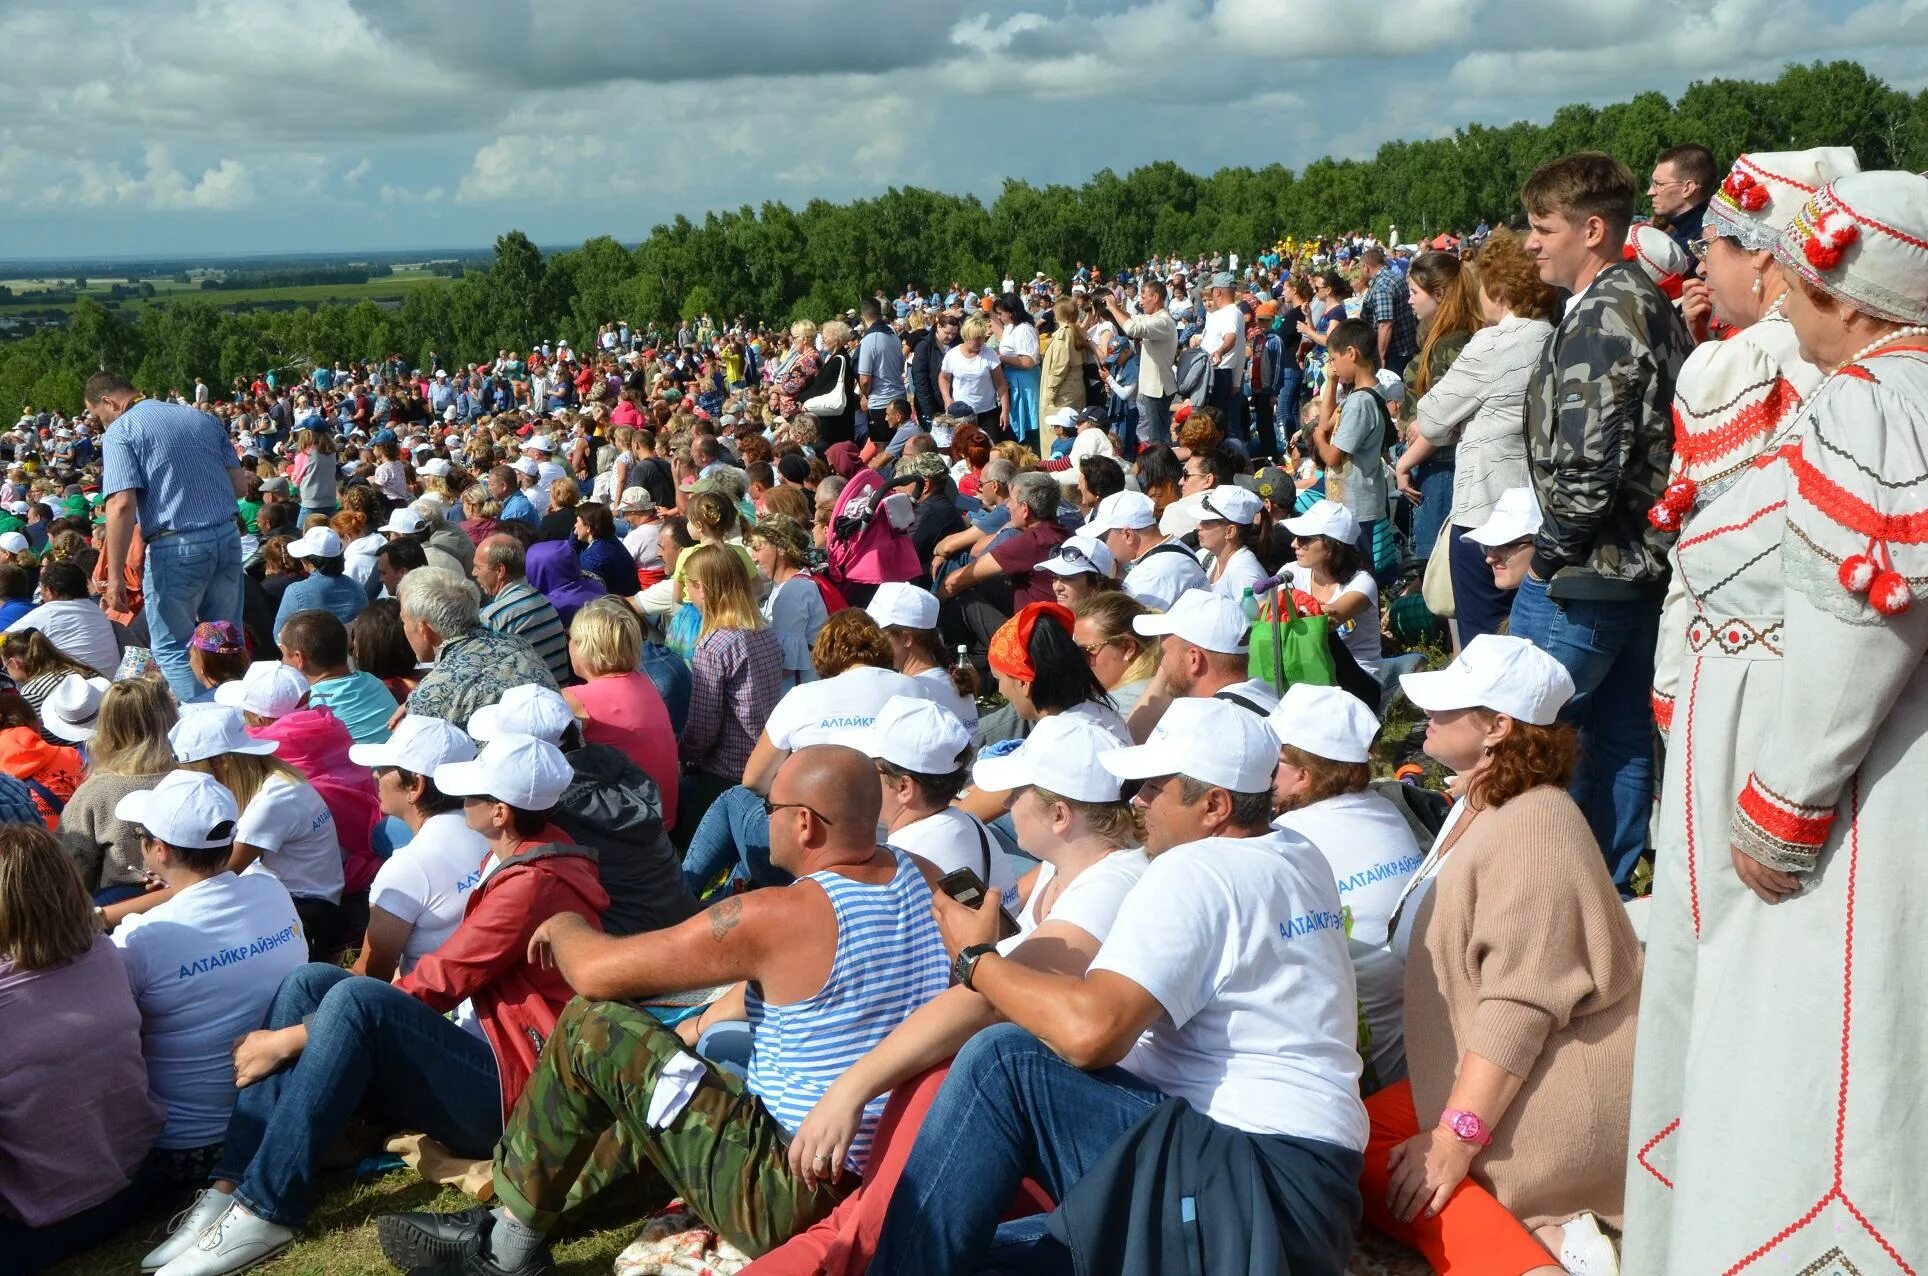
x,y
1249,604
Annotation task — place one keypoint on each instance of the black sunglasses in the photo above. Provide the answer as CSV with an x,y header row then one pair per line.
x,y
771,808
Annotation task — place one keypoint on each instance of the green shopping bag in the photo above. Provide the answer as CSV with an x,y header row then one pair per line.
x,y
1292,649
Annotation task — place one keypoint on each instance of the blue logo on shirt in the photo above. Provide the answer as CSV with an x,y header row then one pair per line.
x,y
1379,873
229,956
1307,923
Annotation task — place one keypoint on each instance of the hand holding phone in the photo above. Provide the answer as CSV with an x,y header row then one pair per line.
x,y
967,888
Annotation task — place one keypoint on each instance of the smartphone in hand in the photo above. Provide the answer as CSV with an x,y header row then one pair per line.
x,y
967,888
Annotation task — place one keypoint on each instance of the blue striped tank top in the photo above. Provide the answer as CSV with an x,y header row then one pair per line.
x,y
890,960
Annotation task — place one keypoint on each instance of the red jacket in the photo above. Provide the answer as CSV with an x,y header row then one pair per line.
x,y
487,958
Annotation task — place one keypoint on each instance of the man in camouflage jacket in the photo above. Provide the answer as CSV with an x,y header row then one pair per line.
x,y
1599,437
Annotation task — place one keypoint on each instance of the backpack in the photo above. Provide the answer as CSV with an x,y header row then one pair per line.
x,y
1194,369
833,598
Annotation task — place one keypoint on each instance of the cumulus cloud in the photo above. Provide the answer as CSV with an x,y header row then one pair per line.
x,y
333,122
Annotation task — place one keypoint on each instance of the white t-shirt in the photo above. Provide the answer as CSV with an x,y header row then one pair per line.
x,y
1361,634
954,839
644,543
296,833
971,377
79,628
941,690
1252,692
358,557
1372,852
834,709
1242,572
1242,943
1090,901
1019,339
204,967
1158,576
427,882
1226,320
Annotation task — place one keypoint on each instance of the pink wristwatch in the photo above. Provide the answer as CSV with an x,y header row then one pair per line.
x,y
1466,1126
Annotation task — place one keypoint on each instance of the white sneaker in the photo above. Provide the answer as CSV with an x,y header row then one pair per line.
x,y
1585,1250
234,1242
187,1226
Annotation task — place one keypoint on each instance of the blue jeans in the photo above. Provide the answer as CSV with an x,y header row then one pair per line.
x,y
1608,647
1154,421
1479,605
190,577
1434,478
369,1044
733,835
1009,1109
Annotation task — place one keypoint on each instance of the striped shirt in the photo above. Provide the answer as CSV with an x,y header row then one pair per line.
x,y
177,459
890,960
519,609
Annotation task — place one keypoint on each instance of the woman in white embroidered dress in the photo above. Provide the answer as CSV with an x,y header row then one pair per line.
x,y
1777,1121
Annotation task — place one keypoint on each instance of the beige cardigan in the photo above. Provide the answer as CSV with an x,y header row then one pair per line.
x,y
1060,384
1522,953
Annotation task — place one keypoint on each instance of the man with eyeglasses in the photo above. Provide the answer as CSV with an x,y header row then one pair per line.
x,y
822,969
1682,184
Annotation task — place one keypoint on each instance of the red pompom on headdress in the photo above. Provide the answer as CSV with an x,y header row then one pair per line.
x,y
1833,232
1744,189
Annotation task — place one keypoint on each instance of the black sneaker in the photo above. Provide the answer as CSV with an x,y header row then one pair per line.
x,y
422,1239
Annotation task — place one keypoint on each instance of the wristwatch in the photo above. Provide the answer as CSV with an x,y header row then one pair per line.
x,y
967,962
1466,1126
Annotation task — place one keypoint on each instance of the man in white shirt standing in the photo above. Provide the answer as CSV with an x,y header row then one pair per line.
x,y
1160,568
1224,982
1157,335
1224,341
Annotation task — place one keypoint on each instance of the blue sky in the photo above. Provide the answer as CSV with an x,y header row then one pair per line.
x,y
158,127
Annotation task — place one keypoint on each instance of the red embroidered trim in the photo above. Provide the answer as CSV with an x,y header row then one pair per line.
x,y
1847,510
1747,161
1756,419
1883,227
1778,821
1744,524
1858,372
1663,707
1650,1145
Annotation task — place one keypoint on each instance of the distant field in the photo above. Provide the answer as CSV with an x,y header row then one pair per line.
x,y
392,287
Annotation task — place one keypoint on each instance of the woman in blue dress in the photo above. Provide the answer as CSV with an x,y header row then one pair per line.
x,y
1017,348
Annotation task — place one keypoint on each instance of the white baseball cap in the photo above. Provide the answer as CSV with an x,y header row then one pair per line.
x,y
404,521
637,499
316,542
209,730
1230,503
1061,754
523,465
1065,418
1080,554
419,744
524,710
916,734
904,606
13,543
1203,619
1515,517
73,706
188,809
1206,739
1327,518
527,773
1121,510
538,443
436,467
269,689
1508,675
1325,722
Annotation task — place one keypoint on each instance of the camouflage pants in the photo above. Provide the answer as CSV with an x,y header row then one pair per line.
x,y
579,1130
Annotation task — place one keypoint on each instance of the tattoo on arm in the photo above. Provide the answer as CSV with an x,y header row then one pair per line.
x,y
724,917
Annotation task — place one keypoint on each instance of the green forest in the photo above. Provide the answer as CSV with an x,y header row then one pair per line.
x,y
774,263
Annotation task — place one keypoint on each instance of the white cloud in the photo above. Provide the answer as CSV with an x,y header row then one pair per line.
x,y
354,175
409,195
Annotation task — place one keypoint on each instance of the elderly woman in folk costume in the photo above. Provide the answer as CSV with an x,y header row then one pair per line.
x,y
1777,1120
1733,399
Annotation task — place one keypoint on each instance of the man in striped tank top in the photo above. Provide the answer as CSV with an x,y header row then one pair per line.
x,y
823,970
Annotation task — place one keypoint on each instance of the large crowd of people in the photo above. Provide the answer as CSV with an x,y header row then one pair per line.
x,y
936,790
